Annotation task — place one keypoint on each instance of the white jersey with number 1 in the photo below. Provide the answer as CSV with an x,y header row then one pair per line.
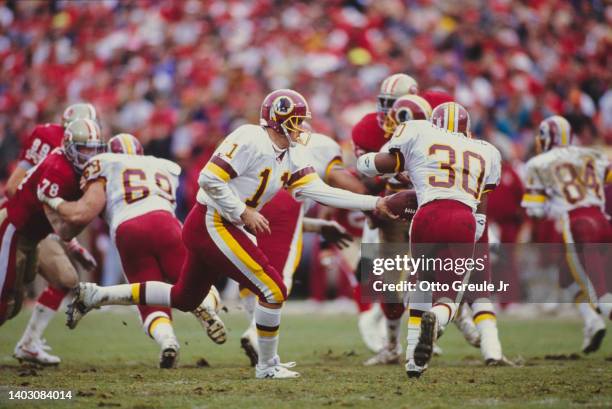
x,y
135,185
444,164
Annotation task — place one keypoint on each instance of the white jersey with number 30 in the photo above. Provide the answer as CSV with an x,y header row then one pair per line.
x,y
444,164
134,185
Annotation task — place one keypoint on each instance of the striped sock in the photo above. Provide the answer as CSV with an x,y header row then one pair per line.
x,y
158,326
444,309
267,321
414,329
154,293
485,319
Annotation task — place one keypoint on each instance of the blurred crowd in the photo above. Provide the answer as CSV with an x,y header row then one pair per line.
x,y
181,74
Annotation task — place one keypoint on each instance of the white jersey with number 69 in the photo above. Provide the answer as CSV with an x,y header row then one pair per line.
x,y
444,164
134,185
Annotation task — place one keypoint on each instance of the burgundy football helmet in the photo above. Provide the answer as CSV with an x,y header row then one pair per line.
x,y
125,143
554,131
284,110
406,108
452,117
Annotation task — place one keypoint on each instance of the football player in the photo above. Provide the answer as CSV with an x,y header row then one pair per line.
x,y
566,183
246,171
405,108
369,135
283,246
137,196
54,255
451,173
23,218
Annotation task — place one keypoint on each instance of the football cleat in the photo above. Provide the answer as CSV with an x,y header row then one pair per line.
x,y
82,303
465,324
248,342
168,357
413,370
206,313
372,328
429,332
389,355
276,370
35,351
594,332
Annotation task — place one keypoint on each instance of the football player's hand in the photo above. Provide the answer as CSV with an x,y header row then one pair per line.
x,y
81,255
255,222
383,210
334,233
52,202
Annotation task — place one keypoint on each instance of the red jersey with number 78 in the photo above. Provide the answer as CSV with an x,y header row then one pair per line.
x,y
55,177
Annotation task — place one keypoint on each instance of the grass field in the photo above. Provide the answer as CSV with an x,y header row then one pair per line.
x,y
108,362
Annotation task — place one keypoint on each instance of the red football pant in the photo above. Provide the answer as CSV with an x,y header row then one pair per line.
x,y
443,229
583,228
151,249
215,248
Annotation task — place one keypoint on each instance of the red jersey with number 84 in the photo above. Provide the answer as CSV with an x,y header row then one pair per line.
x,y
55,177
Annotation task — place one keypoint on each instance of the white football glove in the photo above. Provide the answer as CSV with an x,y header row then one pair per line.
x,y
481,224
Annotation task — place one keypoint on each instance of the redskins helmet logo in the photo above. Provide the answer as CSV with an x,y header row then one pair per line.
x,y
282,106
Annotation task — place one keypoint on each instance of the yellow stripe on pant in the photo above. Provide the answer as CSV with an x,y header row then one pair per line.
x,y
245,258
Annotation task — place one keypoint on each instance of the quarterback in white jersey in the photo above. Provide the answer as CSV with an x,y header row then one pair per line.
x,y
566,183
451,174
251,165
137,196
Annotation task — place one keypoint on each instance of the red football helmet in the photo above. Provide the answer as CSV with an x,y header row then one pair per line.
x,y
406,108
452,117
393,87
554,131
125,143
284,110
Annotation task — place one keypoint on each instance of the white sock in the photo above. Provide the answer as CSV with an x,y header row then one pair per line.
x,y
444,309
268,322
485,319
249,301
159,327
586,311
41,316
393,331
212,301
605,305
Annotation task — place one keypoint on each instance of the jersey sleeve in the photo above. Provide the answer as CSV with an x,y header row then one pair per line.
x,y
305,183
326,155
535,198
494,176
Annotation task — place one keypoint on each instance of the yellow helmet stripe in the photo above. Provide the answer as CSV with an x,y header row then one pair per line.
x,y
451,117
127,142
563,129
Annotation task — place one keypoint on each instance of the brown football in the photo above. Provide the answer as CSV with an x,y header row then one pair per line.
x,y
403,204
